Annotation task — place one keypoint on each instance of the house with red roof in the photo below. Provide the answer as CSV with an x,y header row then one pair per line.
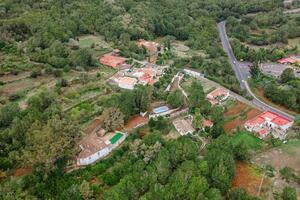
x,y
268,122
217,96
112,60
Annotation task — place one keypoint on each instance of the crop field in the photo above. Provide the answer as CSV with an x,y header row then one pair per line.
x,y
248,178
288,154
237,115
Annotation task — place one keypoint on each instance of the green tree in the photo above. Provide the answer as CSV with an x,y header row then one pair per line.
x,y
289,193
113,119
196,94
175,99
241,151
287,75
47,143
198,119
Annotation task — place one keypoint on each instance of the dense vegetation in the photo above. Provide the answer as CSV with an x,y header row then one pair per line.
x,y
265,28
42,37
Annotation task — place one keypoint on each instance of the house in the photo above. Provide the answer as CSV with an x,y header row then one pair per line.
x,y
113,60
268,122
290,60
127,82
183,126
217,96
207,123
286,61
94,147
152,48
95,127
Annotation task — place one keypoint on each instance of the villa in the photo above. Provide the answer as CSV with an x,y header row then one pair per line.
x,y
269,122
217,96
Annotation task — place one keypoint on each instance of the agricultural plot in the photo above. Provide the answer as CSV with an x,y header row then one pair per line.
x,y
97,44
183,51
237,114
250,178
287,155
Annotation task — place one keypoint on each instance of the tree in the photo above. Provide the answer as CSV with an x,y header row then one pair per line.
x,y
213,194
47,143
8,113
239,194
113,118
82,58
255,71
175,99
85,190
198,119
289,193
241,151
197,187
142,97
196,95
287,75
297,120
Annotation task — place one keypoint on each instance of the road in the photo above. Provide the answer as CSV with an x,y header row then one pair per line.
x,y
242,72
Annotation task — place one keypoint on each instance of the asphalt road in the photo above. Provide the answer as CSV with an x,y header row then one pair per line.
x,y
242,73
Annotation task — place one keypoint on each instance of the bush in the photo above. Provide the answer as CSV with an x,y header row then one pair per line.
x,y
35,73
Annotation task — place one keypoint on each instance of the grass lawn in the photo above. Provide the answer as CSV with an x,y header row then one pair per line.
x,y
253,142
292,147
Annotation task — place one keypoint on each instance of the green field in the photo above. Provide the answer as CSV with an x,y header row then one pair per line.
x,y
253,142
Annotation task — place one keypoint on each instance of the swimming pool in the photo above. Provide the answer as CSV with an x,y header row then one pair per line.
x,y
160,109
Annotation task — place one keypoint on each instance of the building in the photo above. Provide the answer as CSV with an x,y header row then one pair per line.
x,y
113,61
268,122
152,48
218,96
127,83
207,123
183,126
95,127
290,60
94,147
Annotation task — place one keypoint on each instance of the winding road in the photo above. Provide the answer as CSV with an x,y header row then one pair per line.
x,y
243,73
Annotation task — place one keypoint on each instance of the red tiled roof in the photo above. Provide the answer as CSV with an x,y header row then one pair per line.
x,y
280,121
112,61
208,123
264,131
255,121
268,115
286,60
218,92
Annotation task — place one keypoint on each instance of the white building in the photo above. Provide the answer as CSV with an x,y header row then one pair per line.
x,y
94,147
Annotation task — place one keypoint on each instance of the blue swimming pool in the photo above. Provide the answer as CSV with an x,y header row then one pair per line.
x,y
160,109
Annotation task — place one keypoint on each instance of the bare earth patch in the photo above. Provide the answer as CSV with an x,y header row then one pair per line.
x,y
247,177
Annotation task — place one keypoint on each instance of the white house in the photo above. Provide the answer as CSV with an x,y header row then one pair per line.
x,y
127,83
94,147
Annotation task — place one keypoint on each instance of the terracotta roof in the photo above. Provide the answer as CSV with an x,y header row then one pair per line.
x,y
255,121
90,145
264,131
150,46
269,115
208,123
218,92
92,126
127,80
280,121
286,60
112,61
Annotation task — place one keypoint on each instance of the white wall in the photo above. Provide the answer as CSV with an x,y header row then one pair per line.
x,y
102,153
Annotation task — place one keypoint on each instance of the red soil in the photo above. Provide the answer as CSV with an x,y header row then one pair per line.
x,y
240,122
246,178
236,109
135,121
22,171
